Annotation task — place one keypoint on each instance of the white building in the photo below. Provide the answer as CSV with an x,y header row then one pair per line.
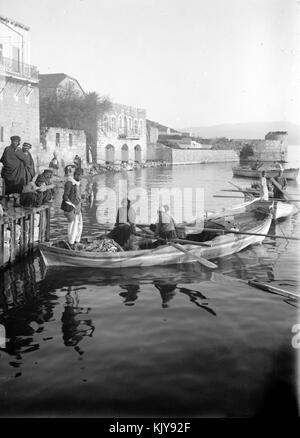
x,y
122,135
19,93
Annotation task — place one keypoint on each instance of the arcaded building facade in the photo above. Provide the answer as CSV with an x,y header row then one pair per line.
x,y
122,135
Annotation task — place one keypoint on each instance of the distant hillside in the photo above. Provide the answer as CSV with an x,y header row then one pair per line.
x,y
253,130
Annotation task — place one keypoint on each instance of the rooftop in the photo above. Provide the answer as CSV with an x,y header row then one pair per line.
x,y
52,80
13,22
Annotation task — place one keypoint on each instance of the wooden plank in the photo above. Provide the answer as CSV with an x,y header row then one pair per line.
x,y
31,232
12,240
22,250
2,229
47,215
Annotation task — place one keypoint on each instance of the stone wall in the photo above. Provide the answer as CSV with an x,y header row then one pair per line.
x,y
192,156
19,113
65,152
159,152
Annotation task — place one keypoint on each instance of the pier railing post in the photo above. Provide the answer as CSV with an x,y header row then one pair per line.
x,y
2,231
47,233
12,239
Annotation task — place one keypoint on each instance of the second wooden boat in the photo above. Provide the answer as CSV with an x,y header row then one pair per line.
x,y
247,172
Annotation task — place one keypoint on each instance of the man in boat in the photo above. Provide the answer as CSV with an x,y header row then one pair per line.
x,y
165,224
124,228
264,191
44,181
13,171
29,165
71,205
282,182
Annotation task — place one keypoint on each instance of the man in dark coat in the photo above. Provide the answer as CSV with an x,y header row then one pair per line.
x,y
29,166
13,171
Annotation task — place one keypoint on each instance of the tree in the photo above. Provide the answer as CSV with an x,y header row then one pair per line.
x,y
68,110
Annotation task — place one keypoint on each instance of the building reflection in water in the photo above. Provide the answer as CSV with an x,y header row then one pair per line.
x,y
24,311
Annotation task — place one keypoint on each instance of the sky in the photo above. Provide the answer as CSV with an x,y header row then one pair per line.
x,y
187,62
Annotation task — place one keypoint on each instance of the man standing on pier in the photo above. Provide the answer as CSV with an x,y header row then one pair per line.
x,y
29,166
13,171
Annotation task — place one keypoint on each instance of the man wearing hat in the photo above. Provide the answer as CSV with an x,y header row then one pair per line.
x,y
13,171
44,181
281,184
29,167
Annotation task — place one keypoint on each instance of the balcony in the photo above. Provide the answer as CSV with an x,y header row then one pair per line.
x,y
18,69
131,134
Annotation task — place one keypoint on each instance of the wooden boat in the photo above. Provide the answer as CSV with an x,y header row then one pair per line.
x,y
280,209
247,172
219,246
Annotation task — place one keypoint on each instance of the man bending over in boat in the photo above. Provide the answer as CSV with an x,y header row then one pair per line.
x,y
281,180
124,228
165,224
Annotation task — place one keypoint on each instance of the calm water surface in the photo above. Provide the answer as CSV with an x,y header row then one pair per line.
x,y
176,341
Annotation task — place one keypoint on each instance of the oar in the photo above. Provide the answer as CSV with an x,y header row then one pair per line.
x,y
190,242
227,196
273,289
286,197
238,187
201,260
234,185
272,236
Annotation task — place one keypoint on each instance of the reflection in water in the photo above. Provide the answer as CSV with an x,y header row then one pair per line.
x,y
131,294
74,328
24,312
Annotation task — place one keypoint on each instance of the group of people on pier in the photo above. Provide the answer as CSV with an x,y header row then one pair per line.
x,y
18,172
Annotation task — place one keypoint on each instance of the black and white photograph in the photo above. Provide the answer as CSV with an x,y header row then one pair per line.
x,y
150,211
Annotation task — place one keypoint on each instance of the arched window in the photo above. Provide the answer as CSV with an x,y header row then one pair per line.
x,y
113,123
105,123
109,154
137,153
120,121
130,123
136,126
124,153
141,123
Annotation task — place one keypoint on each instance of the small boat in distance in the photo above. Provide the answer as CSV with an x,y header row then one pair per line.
x,y
247,172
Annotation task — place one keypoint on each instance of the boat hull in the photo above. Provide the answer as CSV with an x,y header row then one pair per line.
x,y
290,174
163,255
281,210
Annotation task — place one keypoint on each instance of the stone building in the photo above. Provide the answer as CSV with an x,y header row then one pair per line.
x,y
66,143
273,148
56,84
121,135
19,93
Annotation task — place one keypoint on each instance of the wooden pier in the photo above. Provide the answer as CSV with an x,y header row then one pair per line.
x,y
21,229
